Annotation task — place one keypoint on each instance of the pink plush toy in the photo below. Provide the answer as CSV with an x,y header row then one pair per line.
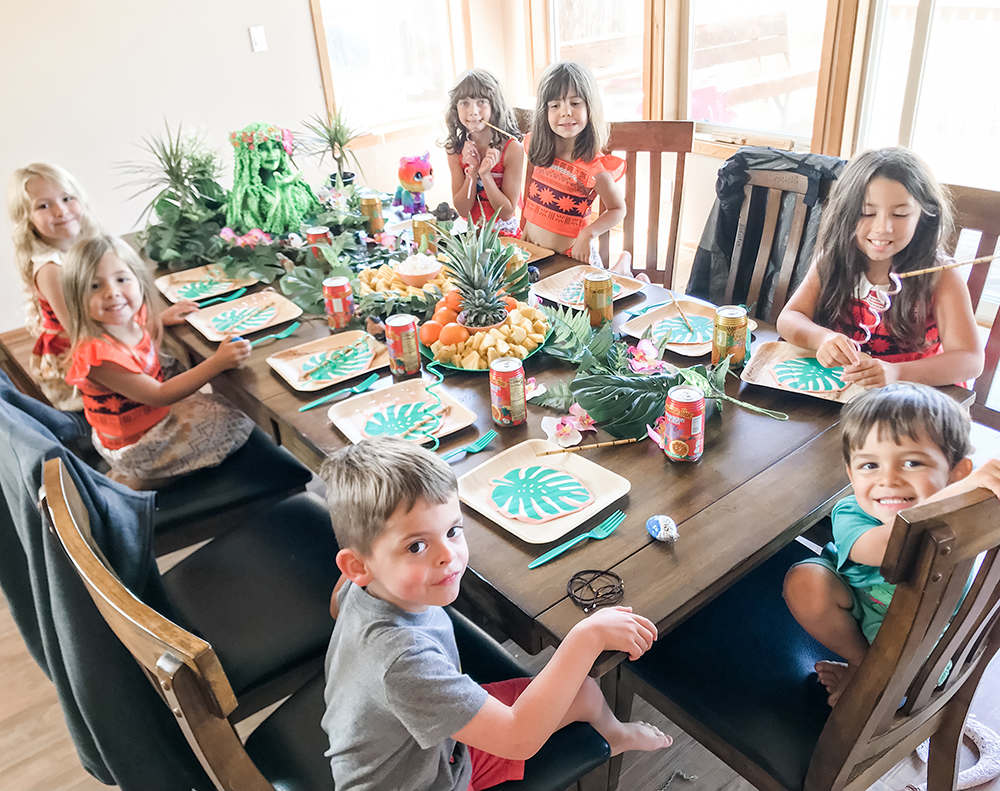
x,y
416,176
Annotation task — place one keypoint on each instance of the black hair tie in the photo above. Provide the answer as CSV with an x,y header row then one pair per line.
x,y
590,589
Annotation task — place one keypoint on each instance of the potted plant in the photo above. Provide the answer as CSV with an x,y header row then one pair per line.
x,y
331,134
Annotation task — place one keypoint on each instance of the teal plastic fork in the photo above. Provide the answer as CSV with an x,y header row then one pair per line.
x,y
235,295
472,447
603,530
278,335
363,385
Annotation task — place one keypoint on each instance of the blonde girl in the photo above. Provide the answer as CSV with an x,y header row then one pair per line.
x,y
486,165
886,215
48,212
147,427
566,167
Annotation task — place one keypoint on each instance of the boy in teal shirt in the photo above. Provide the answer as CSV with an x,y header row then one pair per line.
x,y
904,444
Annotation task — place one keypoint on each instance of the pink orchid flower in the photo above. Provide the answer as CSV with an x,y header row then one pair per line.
x,y
579,417
561,431
228,234
656,431
643,358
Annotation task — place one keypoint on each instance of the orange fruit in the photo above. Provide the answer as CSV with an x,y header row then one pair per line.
x,y
510,303
444,316
453,333
453,300
440,304
429,332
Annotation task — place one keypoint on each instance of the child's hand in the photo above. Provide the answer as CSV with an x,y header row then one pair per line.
x,y
490,160
581,248
987,477
837,349
232,353
470,155
620,629
870,372
175,313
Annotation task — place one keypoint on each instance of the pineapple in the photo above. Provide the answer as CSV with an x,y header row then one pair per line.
x,y
477,265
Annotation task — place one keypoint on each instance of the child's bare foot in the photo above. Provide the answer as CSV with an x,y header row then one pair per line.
x,y
834,676
637,736
623,266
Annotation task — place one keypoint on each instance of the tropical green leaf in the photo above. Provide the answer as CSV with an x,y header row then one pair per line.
x,y
243,319
396,420
538,494
339,362
624,405
200,288
557,396
675,330
806,373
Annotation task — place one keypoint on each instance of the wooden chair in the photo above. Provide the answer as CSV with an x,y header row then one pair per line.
x,y
523,116
737,675
778,184
979,210
655,138
285,751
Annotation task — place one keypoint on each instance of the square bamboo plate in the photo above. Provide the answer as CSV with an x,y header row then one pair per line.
x,y
637,325
350,416
474,488
199,283
535,252
566,287
244,315
765,356
291,363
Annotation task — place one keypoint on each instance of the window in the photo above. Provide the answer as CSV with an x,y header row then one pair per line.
x,y
607,37
755,66
387,64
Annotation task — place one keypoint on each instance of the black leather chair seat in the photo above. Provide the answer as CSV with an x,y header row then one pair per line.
x,y
277,570
288,746
743,667
258,470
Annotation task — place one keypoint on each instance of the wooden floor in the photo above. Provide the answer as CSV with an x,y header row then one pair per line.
x,y
36,753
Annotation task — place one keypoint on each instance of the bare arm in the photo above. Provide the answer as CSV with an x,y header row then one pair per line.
x,y
48,281
147,390
460,194
795,324
504,198
613,203
870,546
519,731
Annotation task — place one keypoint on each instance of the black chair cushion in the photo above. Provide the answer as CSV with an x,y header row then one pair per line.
x,y
743,667
258,470
278,571
289,746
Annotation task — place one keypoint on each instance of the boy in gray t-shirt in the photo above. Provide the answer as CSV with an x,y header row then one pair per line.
x,y
399,711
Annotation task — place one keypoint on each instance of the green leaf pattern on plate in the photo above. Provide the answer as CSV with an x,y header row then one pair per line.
x,y
678,332
244,319
805,373
573,293
202,288
537,494
396,419
339,362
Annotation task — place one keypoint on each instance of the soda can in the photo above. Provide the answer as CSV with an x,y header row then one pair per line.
x,y
507,399
423,228
338,299
730,335
684,426
371,207
401,340
318,234
598,290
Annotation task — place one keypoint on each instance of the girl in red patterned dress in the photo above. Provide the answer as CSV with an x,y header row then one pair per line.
x,y
48,212
886,215
566,169
147,427
486,165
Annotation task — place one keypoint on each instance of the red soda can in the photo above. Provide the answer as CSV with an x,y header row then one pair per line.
x,y
507,400
318,234
401,340
338,299
684,427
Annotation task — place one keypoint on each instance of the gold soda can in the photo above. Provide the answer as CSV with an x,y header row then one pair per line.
x,y
730,335
423,227
371,207
598,290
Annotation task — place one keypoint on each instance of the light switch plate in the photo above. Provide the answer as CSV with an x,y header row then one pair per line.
x,y
258,41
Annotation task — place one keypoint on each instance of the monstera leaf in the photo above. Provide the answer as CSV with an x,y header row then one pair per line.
x,y
397,420
674,330
339,362
538,494
573,293
806,374
244,319
199,288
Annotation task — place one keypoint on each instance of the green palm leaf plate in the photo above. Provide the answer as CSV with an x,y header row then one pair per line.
x,y
805,374
537,494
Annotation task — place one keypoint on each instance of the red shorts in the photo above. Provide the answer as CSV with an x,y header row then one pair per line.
x,y
489,770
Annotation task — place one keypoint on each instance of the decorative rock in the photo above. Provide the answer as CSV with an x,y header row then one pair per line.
x,y
662,528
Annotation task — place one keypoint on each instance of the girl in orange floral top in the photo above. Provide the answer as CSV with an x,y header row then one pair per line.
x,y
147,427
566,169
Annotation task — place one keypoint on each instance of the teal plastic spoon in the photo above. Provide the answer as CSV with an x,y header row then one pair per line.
x,y
278,335
235,295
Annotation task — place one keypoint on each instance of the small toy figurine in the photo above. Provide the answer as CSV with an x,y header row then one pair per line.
x,y
416,176
444,212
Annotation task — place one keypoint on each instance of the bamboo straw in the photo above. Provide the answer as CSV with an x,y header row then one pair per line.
x,y
952,265
680,310
425,420
501,131
578,448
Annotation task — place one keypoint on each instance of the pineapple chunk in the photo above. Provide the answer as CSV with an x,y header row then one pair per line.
x,y
489,341
491,355
518,334
503,348
435,347
540,327
515,316
518,351
472,361
537,337
528,344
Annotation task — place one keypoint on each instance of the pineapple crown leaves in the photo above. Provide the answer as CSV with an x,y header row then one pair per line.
x,y
476,264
